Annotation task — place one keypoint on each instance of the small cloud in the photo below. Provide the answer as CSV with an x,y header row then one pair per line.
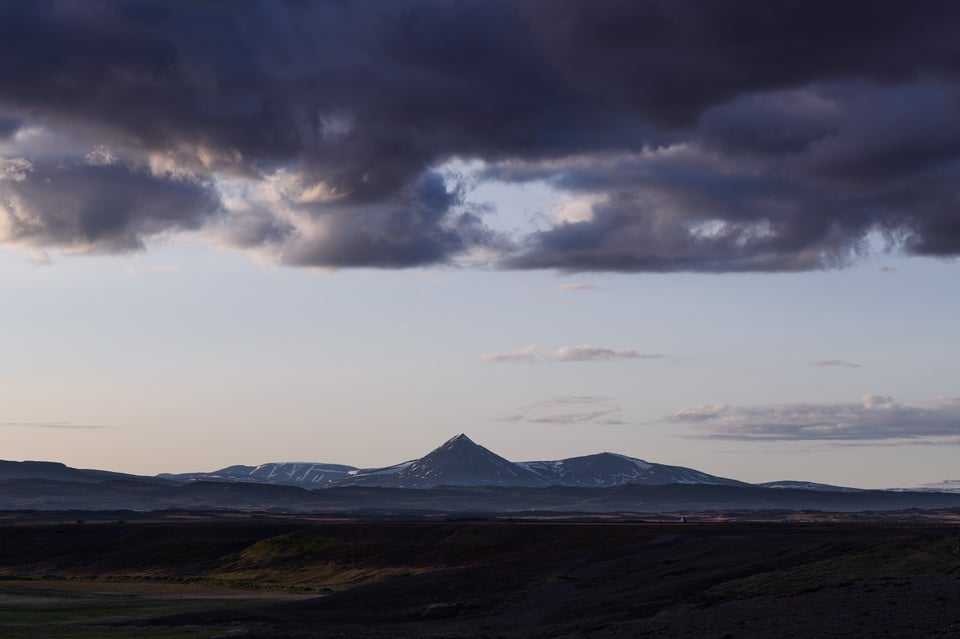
x,y
133,271
871,419
584,353
589,417
100,156
833,363
577,288
889,269
525,355
163,269
567,400
434,277
562,410
14,169
58,425
39,257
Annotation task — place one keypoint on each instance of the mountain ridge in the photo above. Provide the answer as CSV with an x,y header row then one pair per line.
x,y
458,462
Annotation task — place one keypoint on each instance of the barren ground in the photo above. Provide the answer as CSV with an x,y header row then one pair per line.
x,y
297,579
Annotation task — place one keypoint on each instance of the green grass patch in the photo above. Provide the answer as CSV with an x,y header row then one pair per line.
x,y
284,547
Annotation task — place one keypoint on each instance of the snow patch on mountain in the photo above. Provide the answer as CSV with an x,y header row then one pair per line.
x,y
945,486
808,485
302,474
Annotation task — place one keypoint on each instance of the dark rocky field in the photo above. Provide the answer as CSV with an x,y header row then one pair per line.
x,y
247,577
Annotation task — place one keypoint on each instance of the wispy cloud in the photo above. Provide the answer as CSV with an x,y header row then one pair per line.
x,y
39,257
832,363
581,353
525,355
871,419
570,409
577,288
152,270
567,400
584,353
59,425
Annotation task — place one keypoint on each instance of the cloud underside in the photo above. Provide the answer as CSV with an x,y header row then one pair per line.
x,y
569,410
53,425
685,136
833,363
872,419
525,355
582,353
585,353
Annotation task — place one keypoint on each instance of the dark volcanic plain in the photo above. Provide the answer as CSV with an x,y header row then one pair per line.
x,y
253,575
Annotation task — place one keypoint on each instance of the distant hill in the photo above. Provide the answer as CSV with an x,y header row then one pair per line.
x,y
302,474
458,476
808,485
56,471
945,486
43,494
611,469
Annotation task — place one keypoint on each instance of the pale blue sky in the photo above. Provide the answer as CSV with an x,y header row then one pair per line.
x,y
193,358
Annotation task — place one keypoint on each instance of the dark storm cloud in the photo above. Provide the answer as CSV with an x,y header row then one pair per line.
x,y
422,225
735,136
671,60
8,126
97,208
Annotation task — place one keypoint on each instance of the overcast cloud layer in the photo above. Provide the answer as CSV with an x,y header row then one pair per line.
x,y
693,135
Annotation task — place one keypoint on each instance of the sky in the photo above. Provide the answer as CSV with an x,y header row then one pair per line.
x,y
718,235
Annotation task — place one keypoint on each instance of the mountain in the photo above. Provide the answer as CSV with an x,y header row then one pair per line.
x,y
458,462
945,486
808,485
459,476
462,462
611,469
302,474
56,471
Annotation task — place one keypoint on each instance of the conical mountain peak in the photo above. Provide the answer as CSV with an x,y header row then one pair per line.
x,y
459,440
459,461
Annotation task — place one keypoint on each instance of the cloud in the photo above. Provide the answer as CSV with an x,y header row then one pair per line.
x,y
584,353
525,355
684,136
8,126
570,409
871,419
423,226
55,425
96,208
567,400
833,363
577,288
